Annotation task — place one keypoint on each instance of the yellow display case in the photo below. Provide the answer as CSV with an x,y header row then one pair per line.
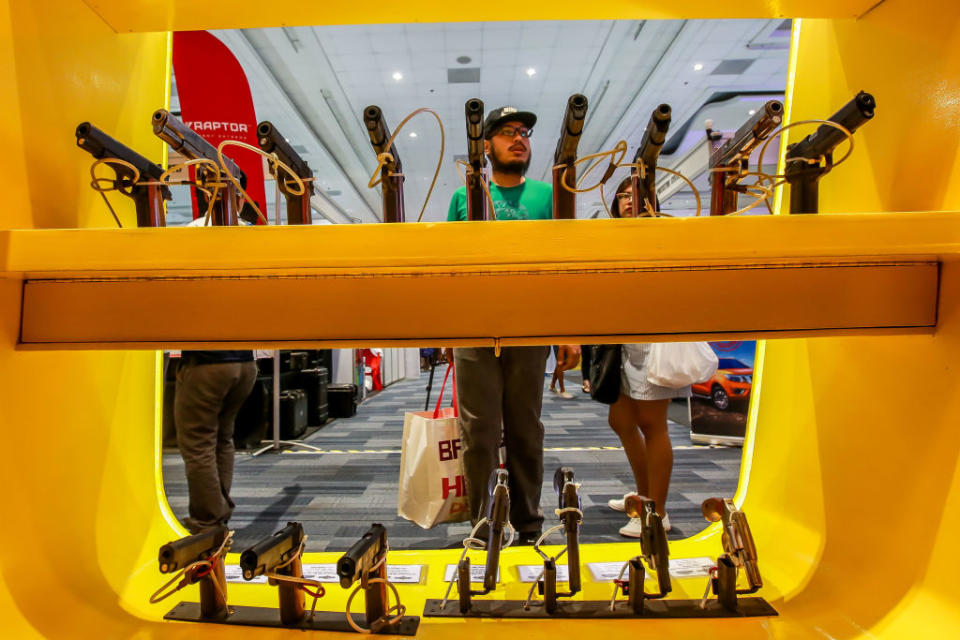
x,y
850,474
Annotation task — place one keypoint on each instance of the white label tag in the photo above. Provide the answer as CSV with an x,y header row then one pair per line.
x,y
690,567
679,568
476,573
401,573
234,573
530,572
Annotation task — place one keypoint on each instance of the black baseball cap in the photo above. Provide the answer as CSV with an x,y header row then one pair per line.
x,y
506,114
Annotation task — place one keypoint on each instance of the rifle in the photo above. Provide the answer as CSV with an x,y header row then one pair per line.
x,y
497,515
477,205
734,154
564,201
644,188
568,493
182,138
804,167
391,173
147,198
272,141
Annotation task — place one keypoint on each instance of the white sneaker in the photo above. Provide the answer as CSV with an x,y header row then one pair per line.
x,y
633,529
566,395
618,504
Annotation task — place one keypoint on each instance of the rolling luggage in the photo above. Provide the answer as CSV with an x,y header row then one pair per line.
x,y
342,400
314,382
293,414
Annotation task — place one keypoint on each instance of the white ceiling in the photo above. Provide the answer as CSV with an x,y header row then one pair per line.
x,y
314,82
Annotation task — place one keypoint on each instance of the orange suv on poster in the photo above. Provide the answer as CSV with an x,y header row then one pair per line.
x,y
731,383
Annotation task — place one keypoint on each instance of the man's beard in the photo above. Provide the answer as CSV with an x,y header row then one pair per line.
x,y
518,167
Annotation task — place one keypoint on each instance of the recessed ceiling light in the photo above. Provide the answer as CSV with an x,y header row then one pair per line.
x,y
697,67
413,134
397,76
531,72
464,59
752,111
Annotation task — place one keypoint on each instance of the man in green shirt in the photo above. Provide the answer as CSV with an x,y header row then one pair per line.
x,y
504,394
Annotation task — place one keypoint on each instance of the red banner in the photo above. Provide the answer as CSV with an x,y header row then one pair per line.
x,y
215,102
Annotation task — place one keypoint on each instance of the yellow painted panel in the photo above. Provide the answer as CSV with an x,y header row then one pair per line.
x,y
626,303
181,15
540,244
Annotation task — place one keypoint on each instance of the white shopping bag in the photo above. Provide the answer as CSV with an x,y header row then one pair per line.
x,y
680,364
432,487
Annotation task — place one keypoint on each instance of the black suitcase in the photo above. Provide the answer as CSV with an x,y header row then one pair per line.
x,y
342,399
314,382
293,414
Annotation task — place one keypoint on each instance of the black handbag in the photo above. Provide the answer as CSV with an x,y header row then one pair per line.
x,y
605,373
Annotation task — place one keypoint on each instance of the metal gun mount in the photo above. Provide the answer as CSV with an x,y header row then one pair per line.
x,y
740,551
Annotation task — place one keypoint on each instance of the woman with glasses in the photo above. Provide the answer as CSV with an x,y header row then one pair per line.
x,y
639,416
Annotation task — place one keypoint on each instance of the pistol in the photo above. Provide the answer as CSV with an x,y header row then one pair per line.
x,y
653,539
363,555
270,552
497,514
568,493
477,206
737,539
183,552
564,201
147,198
272,141
735,155
391,174
804,169
644,189
185,140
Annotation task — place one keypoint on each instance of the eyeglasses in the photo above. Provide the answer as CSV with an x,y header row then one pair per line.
x,y
510,132
626,196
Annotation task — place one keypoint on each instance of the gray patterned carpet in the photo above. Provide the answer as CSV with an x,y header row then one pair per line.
x,y
337,495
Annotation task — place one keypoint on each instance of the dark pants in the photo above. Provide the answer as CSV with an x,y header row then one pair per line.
x,y
206,404
503,396
586,353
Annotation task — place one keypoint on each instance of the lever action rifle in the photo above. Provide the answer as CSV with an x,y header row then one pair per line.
x,y
477,206
564,201
391,173
272,141
148,198
812,158
734,157
644,187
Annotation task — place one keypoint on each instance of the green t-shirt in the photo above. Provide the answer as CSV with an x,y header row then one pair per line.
x,y
531,200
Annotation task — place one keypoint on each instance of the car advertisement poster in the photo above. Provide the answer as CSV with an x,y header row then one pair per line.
x,y
718,408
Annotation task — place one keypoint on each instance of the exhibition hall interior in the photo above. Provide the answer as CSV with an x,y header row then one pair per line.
x,y
400,322
348,474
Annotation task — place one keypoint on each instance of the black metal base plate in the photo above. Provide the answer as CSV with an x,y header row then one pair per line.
x,y
270,617
653,609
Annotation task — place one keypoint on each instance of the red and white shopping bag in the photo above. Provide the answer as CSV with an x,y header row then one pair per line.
x,y
432,488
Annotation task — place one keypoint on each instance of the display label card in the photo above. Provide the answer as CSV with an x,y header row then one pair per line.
x,y
234,573
476,573
327,573
679,568
530,572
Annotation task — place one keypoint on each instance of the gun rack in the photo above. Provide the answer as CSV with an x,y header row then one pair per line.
x,y
600,609
270,617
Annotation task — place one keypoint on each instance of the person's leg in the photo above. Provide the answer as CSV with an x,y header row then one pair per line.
x,y
553,380
623,420
652,418
523,432
585,357
559,375
197,402
242,376
479,398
